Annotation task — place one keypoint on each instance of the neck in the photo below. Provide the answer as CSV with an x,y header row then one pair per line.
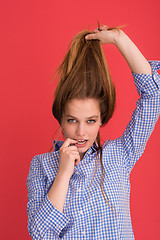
x,y
81,155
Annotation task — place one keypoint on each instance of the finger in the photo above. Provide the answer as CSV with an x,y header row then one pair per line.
x,y
77,160
72,154
68,141
71,148
96,31
104,27
76,155
91,36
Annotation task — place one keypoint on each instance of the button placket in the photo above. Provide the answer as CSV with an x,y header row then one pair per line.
x,y
82,231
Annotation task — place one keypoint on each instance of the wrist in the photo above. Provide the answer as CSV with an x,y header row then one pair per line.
x,y
63,176
119,36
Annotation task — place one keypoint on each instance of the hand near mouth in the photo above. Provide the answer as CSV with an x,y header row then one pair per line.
x,y
68,157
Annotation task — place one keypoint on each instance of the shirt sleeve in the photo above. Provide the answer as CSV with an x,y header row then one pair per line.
x,y
144,116
42,215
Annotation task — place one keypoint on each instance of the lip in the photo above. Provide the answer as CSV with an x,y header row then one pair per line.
x,y
81,145
81,140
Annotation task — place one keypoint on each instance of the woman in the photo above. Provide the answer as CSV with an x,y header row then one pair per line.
x,y
81,190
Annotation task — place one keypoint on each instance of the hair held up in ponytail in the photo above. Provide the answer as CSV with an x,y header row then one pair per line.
x,y
84,73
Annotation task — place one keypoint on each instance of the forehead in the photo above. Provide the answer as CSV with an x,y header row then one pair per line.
x,y
86,107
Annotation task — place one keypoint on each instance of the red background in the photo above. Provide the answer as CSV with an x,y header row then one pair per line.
x,y
34,37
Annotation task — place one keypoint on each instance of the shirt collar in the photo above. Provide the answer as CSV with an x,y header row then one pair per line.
x,y
57,144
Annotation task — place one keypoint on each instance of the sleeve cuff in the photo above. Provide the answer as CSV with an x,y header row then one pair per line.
x,y
146,83
50,217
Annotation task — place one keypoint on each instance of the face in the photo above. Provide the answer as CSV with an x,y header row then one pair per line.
x,y
81,121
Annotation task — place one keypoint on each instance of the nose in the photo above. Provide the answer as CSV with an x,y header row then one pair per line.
x,y
80,130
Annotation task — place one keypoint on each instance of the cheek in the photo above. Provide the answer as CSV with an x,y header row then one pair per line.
x,y
94,131
68,131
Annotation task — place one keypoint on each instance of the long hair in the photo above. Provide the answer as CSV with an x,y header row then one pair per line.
x,y
84,73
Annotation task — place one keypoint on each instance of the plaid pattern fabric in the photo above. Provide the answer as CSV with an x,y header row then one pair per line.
x,y
86,214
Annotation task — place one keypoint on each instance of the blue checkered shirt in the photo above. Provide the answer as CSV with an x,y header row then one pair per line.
x,y
86,215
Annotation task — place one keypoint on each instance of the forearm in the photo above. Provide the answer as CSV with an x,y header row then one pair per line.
x,y
58,191
134,58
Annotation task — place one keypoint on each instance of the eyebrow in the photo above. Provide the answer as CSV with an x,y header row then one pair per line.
x,y
94,116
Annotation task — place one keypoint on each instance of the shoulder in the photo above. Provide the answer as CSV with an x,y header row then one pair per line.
x,y
42,156
46,162
45,157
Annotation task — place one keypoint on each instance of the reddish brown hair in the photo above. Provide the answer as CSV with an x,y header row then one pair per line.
x,y
84,73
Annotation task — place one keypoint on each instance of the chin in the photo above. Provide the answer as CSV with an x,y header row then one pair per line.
x,y
83,149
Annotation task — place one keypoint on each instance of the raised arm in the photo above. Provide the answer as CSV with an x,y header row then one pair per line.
x,y
134,58
147,80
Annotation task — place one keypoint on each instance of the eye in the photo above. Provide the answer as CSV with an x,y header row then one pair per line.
x,y
71,120
91,121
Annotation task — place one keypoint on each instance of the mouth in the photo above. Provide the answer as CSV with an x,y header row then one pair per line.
x,y
81,143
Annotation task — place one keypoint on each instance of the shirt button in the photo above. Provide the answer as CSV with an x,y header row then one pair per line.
x,y
77,172
81,212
